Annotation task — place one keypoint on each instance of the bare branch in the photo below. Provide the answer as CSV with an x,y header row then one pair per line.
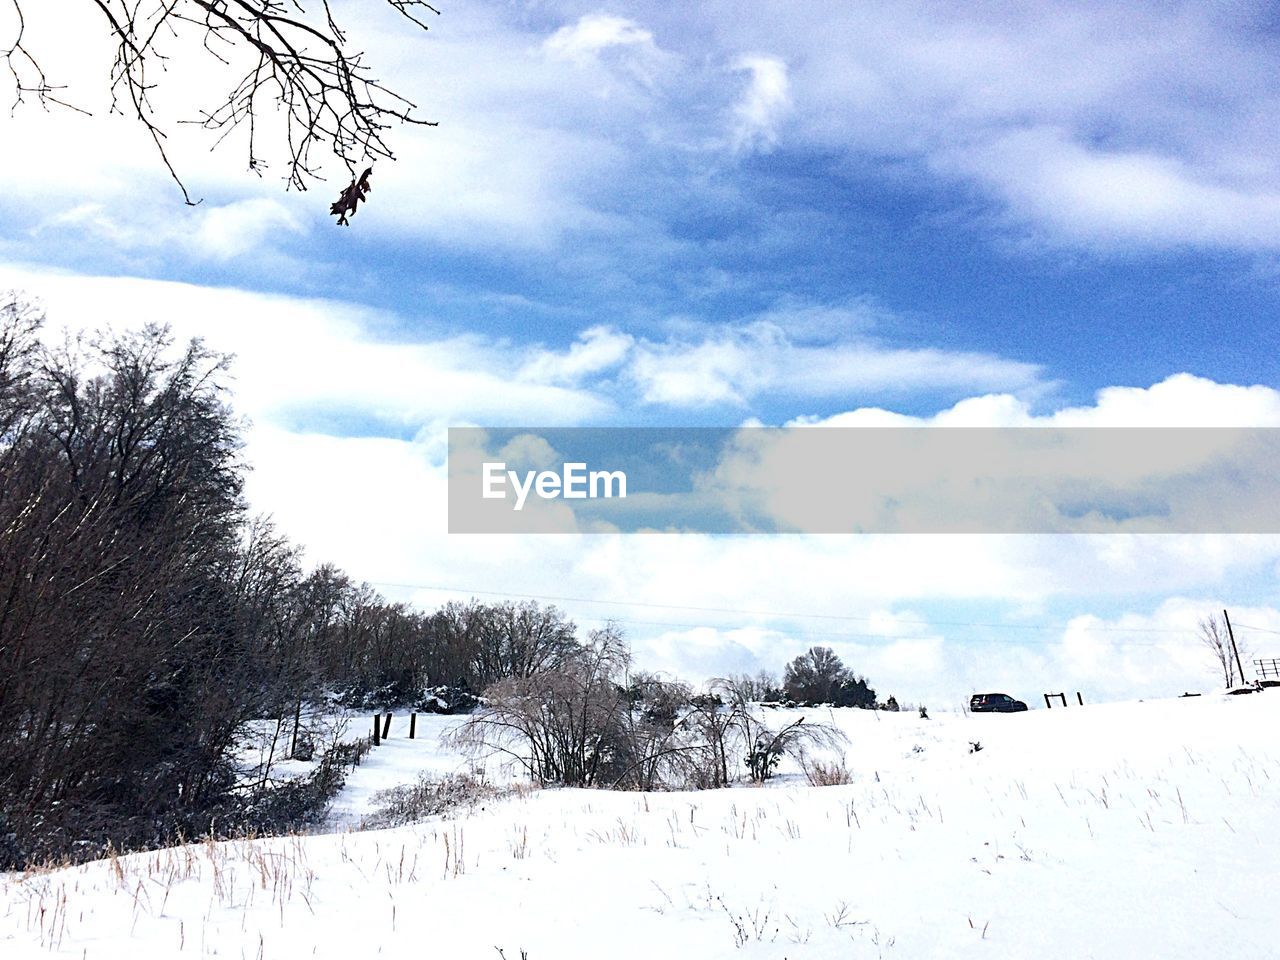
x,y
288,59
28,77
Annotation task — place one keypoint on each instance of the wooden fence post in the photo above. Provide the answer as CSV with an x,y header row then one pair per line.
x,y
377,730
413,724
386,727
1079,698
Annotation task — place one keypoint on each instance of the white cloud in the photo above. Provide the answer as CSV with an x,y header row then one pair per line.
x,y
1090,195
311,361
715,371
597,350
961,480
1153,654
529,452
207,232
762,105
1088,124
521,153
238,228
596,32
369,504
1180,400
733,365
319,365
697,654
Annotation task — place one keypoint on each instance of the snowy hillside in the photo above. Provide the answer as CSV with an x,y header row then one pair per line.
x,y
1114,831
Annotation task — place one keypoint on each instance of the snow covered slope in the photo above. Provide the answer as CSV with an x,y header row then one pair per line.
x,y
1117,831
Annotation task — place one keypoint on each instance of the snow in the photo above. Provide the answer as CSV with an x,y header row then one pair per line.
x,y
1108,831
400,760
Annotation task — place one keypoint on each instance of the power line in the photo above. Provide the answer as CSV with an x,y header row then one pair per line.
x,y
839,637
782,615
1258,629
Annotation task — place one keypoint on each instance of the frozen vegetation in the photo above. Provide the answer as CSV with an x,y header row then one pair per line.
x,y
1123,830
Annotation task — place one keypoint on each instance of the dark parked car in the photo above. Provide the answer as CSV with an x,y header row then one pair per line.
x,y
995,703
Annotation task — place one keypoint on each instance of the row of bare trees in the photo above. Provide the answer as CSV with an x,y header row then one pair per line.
x,y
147,619
588,721
371,653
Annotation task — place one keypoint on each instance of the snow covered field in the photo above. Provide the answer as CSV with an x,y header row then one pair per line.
x,y
1116,831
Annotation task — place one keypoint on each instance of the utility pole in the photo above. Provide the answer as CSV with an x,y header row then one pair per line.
x,y
1234,649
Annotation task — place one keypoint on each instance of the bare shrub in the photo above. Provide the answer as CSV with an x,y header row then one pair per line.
x,y
769,747
824,773
588,722
428,797
738,727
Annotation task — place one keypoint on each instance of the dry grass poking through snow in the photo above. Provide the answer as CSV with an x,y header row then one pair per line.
x,y
435,796
1140,830
825,773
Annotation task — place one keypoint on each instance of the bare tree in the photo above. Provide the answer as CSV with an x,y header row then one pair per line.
x,y
561,725
290,71
587,722
519,640
454,633
762,687
719,716
19,345
1212,632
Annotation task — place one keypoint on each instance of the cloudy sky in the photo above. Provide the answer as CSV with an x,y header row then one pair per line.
x,y
716,214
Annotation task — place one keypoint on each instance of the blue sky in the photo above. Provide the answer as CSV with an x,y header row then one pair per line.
x,y
660,214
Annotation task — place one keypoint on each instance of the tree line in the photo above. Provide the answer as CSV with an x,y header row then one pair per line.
x,y
148,619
